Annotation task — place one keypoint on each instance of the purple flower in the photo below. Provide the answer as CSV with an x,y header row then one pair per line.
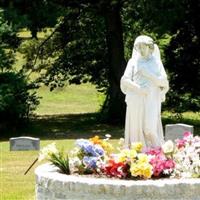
x,y
89,148
91,162
98,150
82,143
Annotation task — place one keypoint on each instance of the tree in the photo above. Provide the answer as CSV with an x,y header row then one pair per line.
x,y
88,46
93,40
16,97
34,15
94,43
184,60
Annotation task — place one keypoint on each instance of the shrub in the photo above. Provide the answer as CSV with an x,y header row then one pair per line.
x,y
17,99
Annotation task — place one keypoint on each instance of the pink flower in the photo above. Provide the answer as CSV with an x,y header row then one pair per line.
x,y
169,164
180,143
159,161
154,151
187,134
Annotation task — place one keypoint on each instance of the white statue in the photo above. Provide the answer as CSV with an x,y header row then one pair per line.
x,y
145,84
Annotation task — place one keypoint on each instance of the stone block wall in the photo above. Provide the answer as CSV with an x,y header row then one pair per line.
x,y
51,185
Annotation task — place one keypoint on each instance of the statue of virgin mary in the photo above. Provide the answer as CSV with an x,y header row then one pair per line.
x,y
145,84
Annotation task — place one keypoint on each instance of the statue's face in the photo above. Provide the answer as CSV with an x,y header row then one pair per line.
x,y
145,50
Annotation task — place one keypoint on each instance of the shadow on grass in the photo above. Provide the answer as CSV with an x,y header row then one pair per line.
x,y
70,126
73,126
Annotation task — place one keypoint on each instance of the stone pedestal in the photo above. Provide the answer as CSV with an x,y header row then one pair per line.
x,y
52,185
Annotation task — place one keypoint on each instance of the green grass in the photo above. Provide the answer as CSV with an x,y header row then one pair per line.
x,y
14,184
25,34
190,118
70,99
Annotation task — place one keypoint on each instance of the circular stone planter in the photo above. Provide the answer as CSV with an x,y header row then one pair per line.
x,y
52,185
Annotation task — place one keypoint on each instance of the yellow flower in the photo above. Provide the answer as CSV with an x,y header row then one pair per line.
x,y
134,169
96,140
107,146
47,151
103,143
143,158
124,155
133,153
141,169
137,146
146,170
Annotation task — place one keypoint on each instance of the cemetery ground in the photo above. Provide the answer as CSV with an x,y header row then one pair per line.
x,y
64,115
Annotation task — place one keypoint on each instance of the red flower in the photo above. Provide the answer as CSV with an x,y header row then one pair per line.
x,y
180,143
116,169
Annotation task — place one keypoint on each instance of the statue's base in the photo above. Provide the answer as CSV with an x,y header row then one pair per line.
x,y
52,185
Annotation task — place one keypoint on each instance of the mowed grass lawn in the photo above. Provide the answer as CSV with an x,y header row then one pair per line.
x,y
14,184
70,99
63,115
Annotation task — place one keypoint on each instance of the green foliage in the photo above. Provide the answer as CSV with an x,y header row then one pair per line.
x,y
7,32
16,100
6,59
83,46
61,161
76,52
34,15
183,60
7,38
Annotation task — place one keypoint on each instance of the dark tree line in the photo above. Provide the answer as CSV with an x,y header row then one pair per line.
x,y
92,41
17,99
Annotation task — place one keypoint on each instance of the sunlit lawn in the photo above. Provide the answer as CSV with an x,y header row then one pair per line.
x,y
59,120
14,184
70,99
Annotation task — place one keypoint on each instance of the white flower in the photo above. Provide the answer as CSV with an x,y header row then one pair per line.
x,y
186,175
75,162
108,136
121,141
168,147
46,152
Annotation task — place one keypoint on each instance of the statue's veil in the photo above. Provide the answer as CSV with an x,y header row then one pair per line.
x,y
156,52
147,40
133,62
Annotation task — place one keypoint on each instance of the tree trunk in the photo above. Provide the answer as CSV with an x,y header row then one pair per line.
x,y
34,32
114,104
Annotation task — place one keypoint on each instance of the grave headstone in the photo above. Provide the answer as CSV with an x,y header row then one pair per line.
x,y
176,131
24,143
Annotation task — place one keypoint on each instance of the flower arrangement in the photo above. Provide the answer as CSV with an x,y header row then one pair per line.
x,y
187,156
96,156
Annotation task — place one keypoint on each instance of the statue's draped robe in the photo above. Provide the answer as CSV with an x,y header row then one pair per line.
x,y
143,114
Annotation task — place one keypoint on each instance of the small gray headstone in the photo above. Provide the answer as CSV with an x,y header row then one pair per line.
x,y
24,143
176,131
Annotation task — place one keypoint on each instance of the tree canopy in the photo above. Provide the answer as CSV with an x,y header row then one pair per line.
x,y
92,41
